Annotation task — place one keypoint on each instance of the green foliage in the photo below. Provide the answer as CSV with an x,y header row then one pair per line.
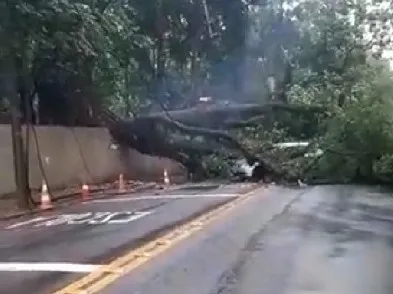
x,y
359,136
130,53
217,166
131,56
383,167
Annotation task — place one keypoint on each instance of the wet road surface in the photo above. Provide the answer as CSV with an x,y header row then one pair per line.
x,y
320,240
41,253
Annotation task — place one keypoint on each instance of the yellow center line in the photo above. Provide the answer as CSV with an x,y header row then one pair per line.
x,y
107,274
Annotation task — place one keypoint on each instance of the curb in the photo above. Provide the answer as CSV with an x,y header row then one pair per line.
x,y
70,202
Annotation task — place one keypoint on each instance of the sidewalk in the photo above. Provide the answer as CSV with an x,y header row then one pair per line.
x,y
70,195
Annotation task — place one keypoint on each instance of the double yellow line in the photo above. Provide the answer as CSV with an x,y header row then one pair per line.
x,y
98,280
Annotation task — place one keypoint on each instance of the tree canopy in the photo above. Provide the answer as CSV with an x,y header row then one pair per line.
x,y
276,70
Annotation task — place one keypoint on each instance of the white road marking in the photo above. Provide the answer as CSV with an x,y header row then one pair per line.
x,y
48,267
87,218
132,217
163,197
34,220
101,218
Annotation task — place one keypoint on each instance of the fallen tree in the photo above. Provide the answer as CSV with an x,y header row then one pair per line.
x,y
188,135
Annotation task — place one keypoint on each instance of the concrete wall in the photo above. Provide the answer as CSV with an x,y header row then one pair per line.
x,y
73,155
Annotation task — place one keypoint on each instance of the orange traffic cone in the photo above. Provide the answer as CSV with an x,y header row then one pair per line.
x,y
121,184
166,178
46,202
85,192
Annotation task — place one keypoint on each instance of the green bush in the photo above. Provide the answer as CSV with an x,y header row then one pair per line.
x,y
359,138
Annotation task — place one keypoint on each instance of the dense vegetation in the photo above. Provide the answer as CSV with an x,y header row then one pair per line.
x,y
277,71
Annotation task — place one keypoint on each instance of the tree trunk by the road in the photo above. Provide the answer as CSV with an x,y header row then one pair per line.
x,y
20,166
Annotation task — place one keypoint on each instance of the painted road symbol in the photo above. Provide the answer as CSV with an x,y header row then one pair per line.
x,y
87,218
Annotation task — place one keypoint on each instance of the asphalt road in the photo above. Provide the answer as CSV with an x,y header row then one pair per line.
x,y
320,240
33,250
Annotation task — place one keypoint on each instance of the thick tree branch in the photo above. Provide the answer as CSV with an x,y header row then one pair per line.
x,y
155,134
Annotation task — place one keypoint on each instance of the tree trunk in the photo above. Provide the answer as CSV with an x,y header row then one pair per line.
x,y
197,29
160,53
188,135
20,167
11,91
